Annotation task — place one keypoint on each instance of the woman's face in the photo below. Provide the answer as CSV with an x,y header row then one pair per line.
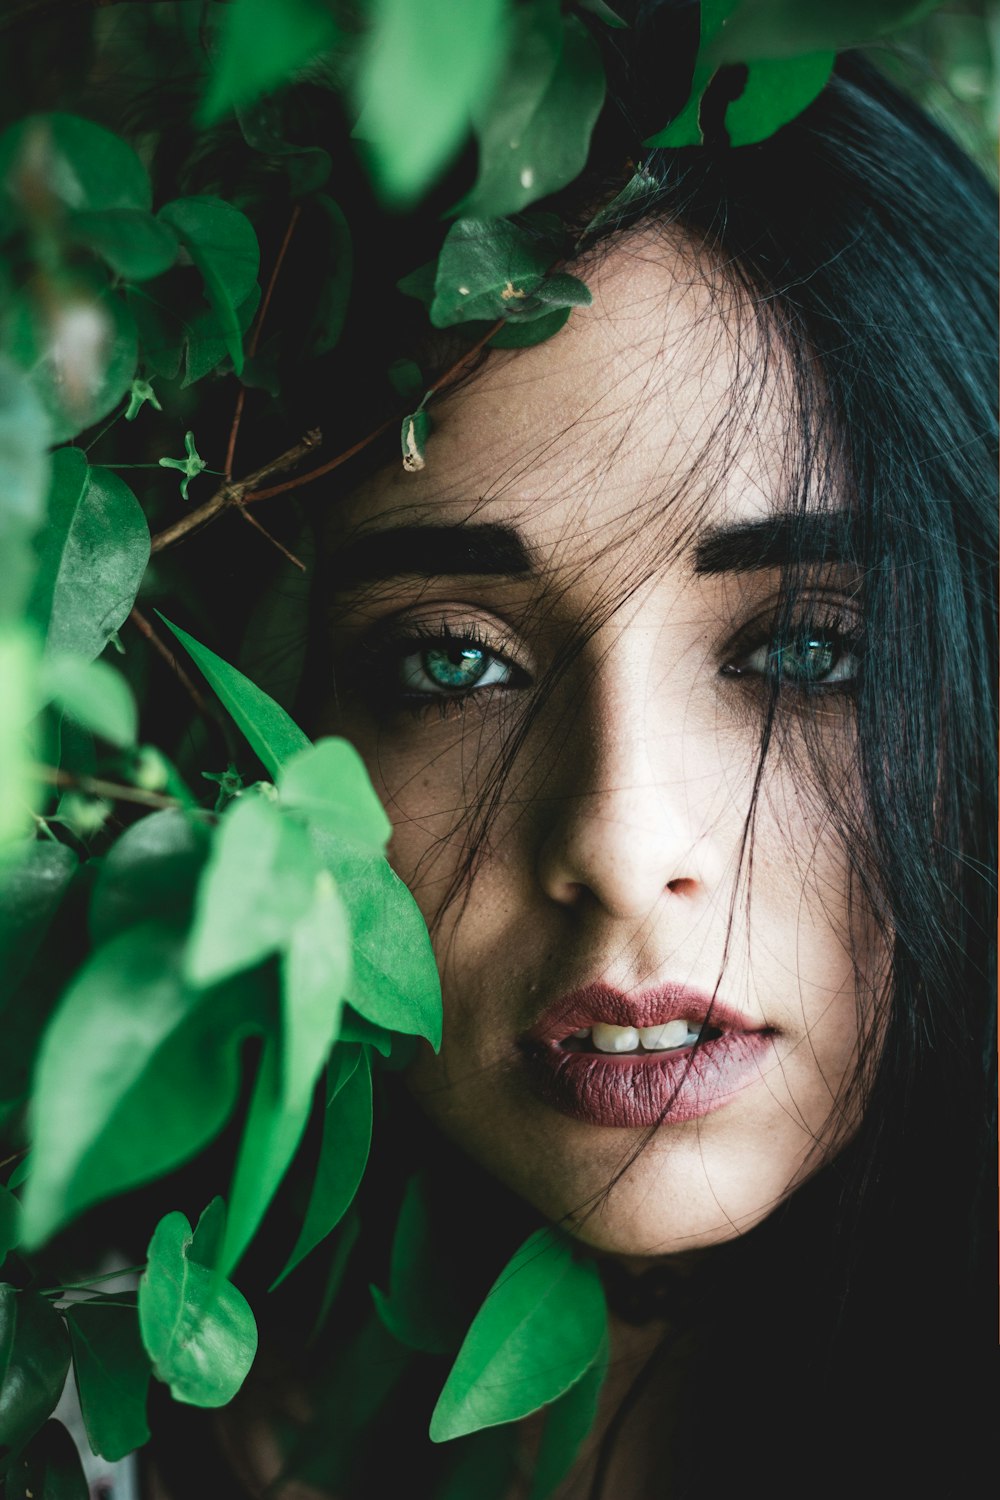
x,y
553,648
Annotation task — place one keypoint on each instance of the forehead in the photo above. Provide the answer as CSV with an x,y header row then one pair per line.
x,y
666,393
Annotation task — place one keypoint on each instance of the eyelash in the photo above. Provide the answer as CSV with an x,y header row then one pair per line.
x,y
410,641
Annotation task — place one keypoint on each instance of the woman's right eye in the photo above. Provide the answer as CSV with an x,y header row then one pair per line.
x,y
452,669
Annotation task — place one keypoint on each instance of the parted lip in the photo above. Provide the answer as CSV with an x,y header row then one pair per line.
x,y
653,1006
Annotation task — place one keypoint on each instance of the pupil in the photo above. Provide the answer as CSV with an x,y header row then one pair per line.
x,y
459,667
811,657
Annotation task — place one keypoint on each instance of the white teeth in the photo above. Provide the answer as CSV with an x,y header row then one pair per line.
x,y
582,1033
678,1033
614,1038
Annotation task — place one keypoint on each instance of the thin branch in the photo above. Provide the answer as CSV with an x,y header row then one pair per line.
x,y
233,492
95,786
255,338
205,708
272,539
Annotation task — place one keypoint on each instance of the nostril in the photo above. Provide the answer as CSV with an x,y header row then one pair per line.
x,y
683,886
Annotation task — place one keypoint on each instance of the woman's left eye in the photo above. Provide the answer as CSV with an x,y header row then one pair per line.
x,y
811,658
450,668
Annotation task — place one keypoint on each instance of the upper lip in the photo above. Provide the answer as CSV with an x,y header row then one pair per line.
x,y
653,1006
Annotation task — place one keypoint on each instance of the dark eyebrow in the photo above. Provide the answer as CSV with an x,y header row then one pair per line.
x,y
777,541
431,552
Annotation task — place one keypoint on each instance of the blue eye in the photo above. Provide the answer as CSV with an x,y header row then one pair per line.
x,y
814,658
451,668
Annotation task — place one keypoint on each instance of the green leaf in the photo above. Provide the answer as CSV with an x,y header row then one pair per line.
x,y
489,269
10,1223
181,336
540,1328
34,879
775,93
347,1129
420,1308
354,1028
483,1466
314,974
259,880
789,28
136,1072
34,1359
149,874
131,242
92,555
78,347
273,1130
80,164
263,43
272,735
197,1328
112,1376
567,1423
93,694
222,243
414,431
18,701
329,784
685,129
24,482
48,1469
534,132
394,979
524,335
423,71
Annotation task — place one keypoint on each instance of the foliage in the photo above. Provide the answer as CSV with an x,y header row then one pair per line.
x,y
187,959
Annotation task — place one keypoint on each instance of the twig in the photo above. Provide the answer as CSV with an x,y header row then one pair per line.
x,y
272,539
205,708
254,339
233,492
94,786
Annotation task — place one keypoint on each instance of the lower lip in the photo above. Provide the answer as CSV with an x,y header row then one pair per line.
x,y
634,1092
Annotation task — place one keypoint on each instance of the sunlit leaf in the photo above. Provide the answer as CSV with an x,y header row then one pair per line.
x,y
131,242
259,880
92,555
534,130
775,93
347,1129
112,1375
263,43
149,874
789,28
24,482
424,69
18,701
34,1359
196,1327
79,164
273,736
222,243
540,1328
314,973
567,1423
394,979
329,784
354,1028
93,694
48,1469
136,1072
419,1309
34,879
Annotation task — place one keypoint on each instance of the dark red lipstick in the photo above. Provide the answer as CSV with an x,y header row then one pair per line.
x,y
637,1089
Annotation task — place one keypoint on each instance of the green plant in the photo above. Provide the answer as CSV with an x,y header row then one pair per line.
x,y
164,943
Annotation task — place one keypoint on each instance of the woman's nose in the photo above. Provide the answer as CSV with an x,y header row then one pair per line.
x,y
623,826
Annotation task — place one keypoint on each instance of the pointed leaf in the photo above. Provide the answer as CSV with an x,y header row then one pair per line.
x,y
524,335
137,1070
486,267
93,694
775,93
272,735
423,71
112,1376
222,243
34,879
258,882
263,43
354,1028
329,784
150,874
196,1327
540,1328
534,132
34,1359
420,1309
314,974
567,1423
347,1129
92,555
394,980
48,1469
